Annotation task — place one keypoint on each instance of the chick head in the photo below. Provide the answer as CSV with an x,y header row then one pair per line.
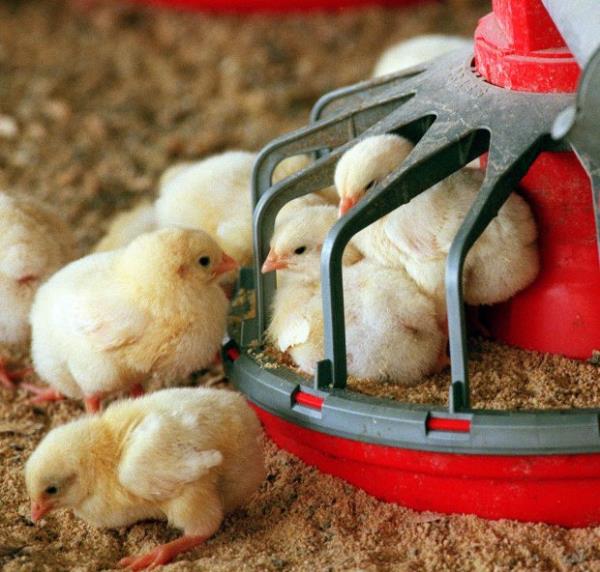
x,y
297,242
175,253
367,163
57,474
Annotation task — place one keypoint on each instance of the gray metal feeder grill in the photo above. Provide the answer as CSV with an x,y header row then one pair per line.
x,y
453,116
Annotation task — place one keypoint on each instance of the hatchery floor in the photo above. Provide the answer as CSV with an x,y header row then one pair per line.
x,y
95,101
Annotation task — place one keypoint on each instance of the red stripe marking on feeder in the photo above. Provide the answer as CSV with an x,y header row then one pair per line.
x,y
233,353
308,400
450,425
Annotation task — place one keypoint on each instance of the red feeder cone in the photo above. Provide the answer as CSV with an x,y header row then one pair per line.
x,y
518,47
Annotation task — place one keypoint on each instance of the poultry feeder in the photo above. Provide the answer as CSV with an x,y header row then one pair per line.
x,y
514,101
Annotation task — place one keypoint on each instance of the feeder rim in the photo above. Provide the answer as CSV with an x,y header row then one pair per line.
x,y
351,415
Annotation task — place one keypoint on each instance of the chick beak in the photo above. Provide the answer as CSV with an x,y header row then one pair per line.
x,y
40,508
227,263
346,204
274,262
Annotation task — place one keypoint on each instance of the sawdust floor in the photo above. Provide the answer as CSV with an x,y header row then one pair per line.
x,y
95,102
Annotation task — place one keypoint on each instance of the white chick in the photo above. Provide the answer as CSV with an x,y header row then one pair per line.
x,y
416,51
128,225
418,235
34,243
392,330
185,455
108,321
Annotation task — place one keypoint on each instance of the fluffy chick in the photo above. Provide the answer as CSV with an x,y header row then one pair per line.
x,y
416,51
108,321
172,171
128,225
418,235
34,243
186,455
213,195
392,330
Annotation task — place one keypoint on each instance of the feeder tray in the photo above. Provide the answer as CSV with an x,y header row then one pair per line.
x,y
530,466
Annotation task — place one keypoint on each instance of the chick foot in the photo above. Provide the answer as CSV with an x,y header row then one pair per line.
x,y
93,403
9,378
42,394
137,390
162,554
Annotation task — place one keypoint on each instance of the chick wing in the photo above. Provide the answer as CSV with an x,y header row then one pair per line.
x,y
160,456
107,322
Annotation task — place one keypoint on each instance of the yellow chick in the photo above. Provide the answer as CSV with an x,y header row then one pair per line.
x,y
185,455
418,235
172,171
128,225
108,321
34,243
392,329
416,51
213,195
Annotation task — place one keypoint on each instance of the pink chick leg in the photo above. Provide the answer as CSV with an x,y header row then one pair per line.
x,y
161,554
93,403
42,394
137,390
8,377
443,361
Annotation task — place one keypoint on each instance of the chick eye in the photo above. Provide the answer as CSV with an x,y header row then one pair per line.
x,y
370,185
204,260
52,490
300,250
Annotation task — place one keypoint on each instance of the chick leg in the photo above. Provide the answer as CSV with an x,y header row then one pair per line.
x,y
137,390
93,403
443,361
8,378
184,513
162,554
42,394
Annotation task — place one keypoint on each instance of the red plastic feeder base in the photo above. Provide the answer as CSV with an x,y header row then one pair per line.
x,y
272,5
556,489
